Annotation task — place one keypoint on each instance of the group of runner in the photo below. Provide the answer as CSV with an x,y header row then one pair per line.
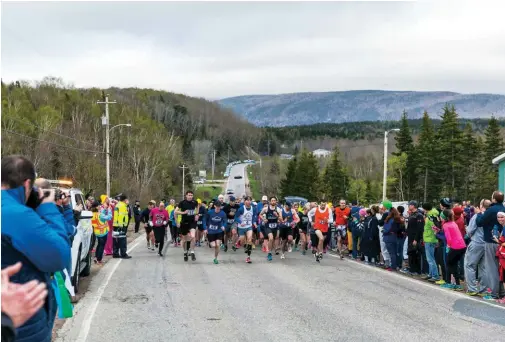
x,y
241,223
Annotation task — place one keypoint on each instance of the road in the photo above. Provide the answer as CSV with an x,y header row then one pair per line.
x,y
149,298
237,185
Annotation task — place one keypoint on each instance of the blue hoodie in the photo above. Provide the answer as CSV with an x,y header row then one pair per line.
x,y
488,220
40,241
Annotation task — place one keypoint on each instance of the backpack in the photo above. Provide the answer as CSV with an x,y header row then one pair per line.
x,y
436,221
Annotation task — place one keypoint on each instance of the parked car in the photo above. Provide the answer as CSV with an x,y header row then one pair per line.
x,y
229,192
238,177
81,244
296,199
199,181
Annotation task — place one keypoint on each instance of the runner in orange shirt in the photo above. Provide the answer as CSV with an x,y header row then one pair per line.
x,y
321,217
342,214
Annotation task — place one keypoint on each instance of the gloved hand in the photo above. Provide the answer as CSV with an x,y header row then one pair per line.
x,y
164,223
150,223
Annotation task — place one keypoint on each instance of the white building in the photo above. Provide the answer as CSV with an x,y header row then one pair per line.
x,y
321,153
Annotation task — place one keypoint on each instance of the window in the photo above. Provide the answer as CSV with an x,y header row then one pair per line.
x,y
79,200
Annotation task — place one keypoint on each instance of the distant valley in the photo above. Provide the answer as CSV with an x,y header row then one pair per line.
x,y
360,105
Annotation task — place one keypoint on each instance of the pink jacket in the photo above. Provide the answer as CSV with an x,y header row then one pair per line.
x,y
453,236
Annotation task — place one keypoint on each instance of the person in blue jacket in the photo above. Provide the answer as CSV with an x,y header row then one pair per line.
x,y
35,237
214,224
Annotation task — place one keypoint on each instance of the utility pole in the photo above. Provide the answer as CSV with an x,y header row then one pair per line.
x,y
183,167
268,142
213,162
106,121
228,154
301,145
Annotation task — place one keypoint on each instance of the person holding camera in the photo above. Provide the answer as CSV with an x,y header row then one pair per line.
x,y
33,233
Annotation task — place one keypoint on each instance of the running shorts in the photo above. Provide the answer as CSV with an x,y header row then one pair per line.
x,y
215,237
186,227
243,231
315,240
341,231
285,231
149,229
230,226
199,224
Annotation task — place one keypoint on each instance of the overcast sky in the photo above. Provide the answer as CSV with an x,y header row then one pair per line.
x,y
217,50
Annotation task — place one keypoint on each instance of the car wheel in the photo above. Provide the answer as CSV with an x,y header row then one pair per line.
x,y
77,273
87,270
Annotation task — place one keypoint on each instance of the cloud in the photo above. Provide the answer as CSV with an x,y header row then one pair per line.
x,y
217,50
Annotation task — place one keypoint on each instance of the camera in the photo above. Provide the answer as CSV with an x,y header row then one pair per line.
x,y
34,198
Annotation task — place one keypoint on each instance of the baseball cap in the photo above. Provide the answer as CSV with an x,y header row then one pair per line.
x,y
458,211
232,198
199,201
153,202
264,198
387,204
445,202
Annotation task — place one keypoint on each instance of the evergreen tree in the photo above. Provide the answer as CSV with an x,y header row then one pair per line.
x,y
405,145
450,161
307,176
426,159
492,147
288,183
369,194
469,148
404,142
334,177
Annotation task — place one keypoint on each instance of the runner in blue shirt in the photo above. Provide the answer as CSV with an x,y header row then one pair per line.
x,y
214,225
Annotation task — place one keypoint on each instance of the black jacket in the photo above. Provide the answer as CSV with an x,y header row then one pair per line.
x,y
415,227
8,330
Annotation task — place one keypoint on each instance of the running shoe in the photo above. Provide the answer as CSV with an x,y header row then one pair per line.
x,y
264,249
152,248
489,297
148,245
269,257
324,250
156,245
222,245
425,277
95,261
234,248
296,248
433,280
304,252
501,301
406,271
185,256
198,244
226,248
254,246
277,252
159,253
248,260
320,255
457,288
440,282
290,249
317,258
283,256
216,262
448,286
193,256
472,294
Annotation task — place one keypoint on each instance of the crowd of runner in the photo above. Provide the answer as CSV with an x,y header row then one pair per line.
x,y
456,245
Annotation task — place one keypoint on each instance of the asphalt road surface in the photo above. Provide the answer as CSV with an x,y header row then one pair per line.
x,y
149,298
237,185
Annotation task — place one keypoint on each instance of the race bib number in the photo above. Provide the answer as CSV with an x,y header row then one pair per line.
x,y
305,219
272,225
213,227
230,221
199,223
191,213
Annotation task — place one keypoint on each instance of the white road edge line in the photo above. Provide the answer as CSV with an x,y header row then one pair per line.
x,y
90,313
392,274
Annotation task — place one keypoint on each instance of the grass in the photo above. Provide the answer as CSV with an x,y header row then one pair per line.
x,y
254,185
207,193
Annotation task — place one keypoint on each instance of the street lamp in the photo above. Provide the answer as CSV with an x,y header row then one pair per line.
x,y
105,122
384,183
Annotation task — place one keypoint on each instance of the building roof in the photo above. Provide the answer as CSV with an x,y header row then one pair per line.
x,y
321,150
499,159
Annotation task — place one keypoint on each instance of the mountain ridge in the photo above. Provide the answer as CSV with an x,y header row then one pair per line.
x,y
359,105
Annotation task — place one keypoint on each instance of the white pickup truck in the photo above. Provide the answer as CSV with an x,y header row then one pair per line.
x,y
81,244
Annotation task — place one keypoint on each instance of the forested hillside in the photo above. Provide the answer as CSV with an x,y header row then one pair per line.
x,y
59,127
358,105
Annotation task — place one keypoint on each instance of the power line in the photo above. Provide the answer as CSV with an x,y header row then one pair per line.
x,y
48,131
51,143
